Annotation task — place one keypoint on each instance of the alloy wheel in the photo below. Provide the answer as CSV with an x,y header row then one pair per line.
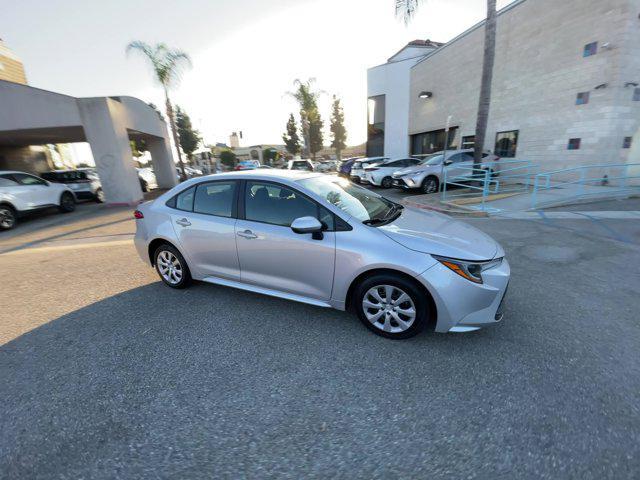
x,y
389,308
387,182
169,267
7,218
430,185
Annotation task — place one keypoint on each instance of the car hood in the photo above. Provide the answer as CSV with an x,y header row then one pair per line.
x,y
438,234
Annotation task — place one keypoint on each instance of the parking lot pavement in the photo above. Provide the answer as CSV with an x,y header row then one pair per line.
x,y
109,374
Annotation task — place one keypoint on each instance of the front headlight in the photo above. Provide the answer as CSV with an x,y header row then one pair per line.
x,y
472,271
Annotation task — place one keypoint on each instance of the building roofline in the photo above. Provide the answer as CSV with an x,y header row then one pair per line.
x,y
503,10
410,45
397,61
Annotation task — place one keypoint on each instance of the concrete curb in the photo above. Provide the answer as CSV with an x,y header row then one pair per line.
x,y
446,211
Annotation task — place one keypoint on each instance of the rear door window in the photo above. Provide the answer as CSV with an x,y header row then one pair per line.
x,y
184,200
215,198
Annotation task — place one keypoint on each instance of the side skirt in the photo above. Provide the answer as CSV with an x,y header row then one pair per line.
x,y
266,291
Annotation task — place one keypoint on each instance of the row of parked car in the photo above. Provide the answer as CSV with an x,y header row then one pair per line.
x,y
424,174
22,193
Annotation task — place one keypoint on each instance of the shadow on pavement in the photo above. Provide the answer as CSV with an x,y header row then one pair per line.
x,y
177,381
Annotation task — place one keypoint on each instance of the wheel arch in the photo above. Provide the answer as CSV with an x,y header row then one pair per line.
x,y
153,246
390,271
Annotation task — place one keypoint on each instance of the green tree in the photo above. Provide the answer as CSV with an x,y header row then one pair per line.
x,y
138,147
228,158
189,137
270,155
307,98
338,130
290,137
167,64
406,9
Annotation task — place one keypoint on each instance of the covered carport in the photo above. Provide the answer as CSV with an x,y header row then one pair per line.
x,y
31,116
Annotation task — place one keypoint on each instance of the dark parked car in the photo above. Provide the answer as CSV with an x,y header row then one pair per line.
x,y
344,170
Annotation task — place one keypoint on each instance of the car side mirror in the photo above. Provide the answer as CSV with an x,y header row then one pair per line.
x,y
447,163
308,225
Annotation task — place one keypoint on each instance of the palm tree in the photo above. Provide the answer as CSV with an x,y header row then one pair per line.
x,y
167,65
405,9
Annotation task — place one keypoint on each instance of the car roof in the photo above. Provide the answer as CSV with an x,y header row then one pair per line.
x,y
258,173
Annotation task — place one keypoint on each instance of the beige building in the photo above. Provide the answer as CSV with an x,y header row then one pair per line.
x,y
11,68
565,92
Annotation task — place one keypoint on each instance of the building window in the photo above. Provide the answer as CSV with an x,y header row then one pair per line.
x,y
574,144
468,141
375,126
430,142
506,144
626,143
582,98
590,49
636,94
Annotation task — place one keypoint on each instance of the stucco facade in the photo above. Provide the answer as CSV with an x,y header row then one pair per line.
x,y
540,69
31,116
392,80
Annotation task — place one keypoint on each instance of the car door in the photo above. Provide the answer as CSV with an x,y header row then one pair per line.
x,y
35,192
273,256
204,218
458,169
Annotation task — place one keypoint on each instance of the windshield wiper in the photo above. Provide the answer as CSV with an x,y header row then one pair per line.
x,y
374,221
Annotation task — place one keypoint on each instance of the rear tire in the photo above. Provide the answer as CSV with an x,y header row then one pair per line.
x,y
387,182
143,186
7,217
67,202
172,267
100,196
391,306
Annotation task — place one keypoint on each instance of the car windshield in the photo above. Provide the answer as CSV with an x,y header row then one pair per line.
x,y
356,201
435,159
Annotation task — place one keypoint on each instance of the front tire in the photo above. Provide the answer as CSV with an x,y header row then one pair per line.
x,y
100,197
391,306
430,185
172,267
7,217
387,182
67,202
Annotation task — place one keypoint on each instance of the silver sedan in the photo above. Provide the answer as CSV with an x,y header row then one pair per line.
x,y
324,241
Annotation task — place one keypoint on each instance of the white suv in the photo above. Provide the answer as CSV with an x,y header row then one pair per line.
x,y
21,193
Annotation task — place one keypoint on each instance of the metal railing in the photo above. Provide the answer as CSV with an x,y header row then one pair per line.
x,y
509,176
586,181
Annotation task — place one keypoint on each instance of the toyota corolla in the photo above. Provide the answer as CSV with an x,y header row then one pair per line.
x,y
324,241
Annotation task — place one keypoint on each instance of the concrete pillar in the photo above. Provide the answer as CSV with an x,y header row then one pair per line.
x,y
104,123
162,160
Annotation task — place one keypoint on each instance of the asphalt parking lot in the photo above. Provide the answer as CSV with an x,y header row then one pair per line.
x,y
106,373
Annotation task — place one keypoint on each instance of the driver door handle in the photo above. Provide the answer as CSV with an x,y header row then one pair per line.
x,y
183,222
247,234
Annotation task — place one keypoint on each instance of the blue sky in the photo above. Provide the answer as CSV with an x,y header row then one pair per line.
x,y
246,53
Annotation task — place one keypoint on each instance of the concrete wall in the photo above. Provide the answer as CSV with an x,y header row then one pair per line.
x,y
539,70
392,80
30,116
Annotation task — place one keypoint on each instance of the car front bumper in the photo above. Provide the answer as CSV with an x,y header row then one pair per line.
x,y
464,306
405,182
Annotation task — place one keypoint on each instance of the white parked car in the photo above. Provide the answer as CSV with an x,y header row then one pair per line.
x,y
381,174
357,170
84,183
458,164
147,179
22,193
300,165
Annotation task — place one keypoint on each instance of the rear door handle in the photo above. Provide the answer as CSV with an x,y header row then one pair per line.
x,y
247,234
183,222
